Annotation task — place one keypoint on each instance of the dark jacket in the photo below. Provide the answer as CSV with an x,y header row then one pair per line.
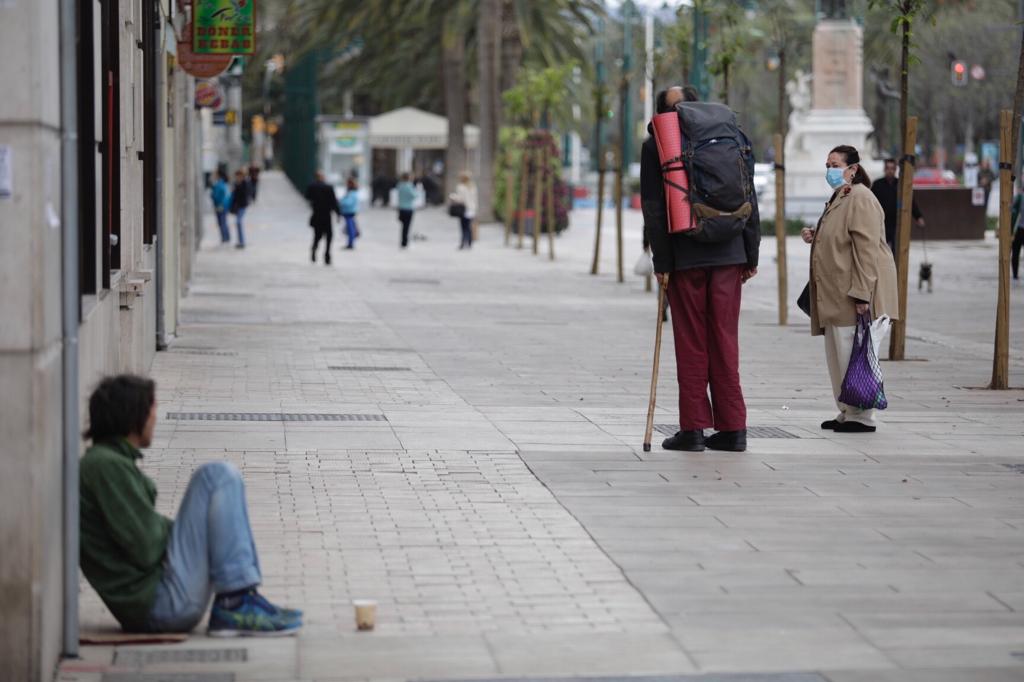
x,y
887,194
322,199
673,252
241,194
123,538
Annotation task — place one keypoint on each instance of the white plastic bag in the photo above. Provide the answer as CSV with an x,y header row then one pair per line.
x,y
879,328
644,265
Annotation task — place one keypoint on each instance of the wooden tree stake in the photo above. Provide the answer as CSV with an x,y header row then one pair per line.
x,y
538,184
618,213
551,221
898,342
1001,357
510,207
594,267
780,229
524,171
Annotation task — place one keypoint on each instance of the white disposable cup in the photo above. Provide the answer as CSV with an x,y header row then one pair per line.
x,y
366,613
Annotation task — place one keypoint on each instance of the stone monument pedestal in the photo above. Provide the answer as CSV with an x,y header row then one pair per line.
x,y
836,117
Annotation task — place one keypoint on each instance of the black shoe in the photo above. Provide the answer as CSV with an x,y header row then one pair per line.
x,y
729,441
830,425
327,260
854,427
688,441
312,258
239,246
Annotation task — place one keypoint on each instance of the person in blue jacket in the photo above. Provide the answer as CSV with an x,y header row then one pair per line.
x,y
406,206
349,208
220,195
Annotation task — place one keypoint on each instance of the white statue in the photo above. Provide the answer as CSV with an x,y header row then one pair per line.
x,y
799,91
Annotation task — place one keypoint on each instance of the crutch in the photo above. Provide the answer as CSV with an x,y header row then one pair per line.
x,y
662,290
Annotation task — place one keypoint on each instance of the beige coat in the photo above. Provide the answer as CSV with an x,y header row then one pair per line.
x,y
850,260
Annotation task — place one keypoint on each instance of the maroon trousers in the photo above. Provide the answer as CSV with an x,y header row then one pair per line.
x,y
705,304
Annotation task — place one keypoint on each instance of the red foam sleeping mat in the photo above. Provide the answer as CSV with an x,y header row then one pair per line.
x,y
669,139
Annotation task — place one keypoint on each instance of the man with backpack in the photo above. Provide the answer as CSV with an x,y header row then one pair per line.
x,y
705,264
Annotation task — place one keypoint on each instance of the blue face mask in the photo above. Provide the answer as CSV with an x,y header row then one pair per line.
x,y
834,177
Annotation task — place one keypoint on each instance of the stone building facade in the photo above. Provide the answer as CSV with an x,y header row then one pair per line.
x,y
137,133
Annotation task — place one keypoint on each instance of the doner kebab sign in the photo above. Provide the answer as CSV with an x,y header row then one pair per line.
x,y
224,26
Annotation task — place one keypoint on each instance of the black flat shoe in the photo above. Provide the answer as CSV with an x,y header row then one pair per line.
x,y
830,425
854,427
728,441
687,441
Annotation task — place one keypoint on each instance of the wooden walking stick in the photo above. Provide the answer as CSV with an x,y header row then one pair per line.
x,y
662,291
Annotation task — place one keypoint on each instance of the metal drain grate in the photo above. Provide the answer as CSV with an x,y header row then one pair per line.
x,y
367,368
139,659
368,349
167,677
202,351
274,417
413,280
706,677
752,431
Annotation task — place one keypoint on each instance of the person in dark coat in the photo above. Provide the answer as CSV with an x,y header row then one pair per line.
x,y
887,190
704,288
241,194
324,202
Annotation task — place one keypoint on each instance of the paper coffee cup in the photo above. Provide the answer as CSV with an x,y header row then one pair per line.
x,y
366,613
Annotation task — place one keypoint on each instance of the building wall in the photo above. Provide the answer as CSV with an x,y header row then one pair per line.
x,y
117,332
30,344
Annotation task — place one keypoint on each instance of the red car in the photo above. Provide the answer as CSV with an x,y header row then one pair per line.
x,y
934,177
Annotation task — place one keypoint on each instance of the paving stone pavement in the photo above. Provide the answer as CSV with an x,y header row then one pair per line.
x,y
492,495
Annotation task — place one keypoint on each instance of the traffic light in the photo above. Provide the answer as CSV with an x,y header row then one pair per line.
x,y
958,73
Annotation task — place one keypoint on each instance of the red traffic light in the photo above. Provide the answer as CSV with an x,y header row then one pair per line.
x,y
960,68
958,74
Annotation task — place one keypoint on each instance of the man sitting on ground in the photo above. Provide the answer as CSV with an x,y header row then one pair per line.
x,y
153,573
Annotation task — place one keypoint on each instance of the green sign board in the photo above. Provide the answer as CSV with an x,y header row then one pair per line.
x,y
224,26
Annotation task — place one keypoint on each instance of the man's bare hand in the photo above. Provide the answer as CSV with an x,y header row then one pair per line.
x,y
748,273
862,308
807,234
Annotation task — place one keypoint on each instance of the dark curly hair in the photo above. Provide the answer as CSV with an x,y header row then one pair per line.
x,y
119,407
852,156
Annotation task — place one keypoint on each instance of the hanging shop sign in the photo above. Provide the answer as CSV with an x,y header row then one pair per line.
x,y
224,27
200,65
209,95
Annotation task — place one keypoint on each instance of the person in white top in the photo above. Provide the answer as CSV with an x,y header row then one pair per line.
x,y
463,206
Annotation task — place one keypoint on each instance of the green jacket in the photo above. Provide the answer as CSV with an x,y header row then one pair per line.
x,y
123,538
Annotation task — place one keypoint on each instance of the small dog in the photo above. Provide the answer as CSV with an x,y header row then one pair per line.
x,y
924,274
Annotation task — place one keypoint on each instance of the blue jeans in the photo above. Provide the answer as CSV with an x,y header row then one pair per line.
x,y
351,230
467,231
222,225
238,225
210,549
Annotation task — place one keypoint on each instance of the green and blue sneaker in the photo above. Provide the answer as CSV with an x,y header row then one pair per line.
x,y
253,616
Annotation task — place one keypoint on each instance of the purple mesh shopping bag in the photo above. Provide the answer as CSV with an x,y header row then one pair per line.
x,y
862,385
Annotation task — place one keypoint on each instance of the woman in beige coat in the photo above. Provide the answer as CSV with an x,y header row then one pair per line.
x,y
852,273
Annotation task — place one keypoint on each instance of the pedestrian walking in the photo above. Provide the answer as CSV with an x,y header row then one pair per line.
x,y
406,206
254,180
241,194
324,202
887,190
852,274
349,208
1017,221
157,574
220,195
986,177
463,207
704,291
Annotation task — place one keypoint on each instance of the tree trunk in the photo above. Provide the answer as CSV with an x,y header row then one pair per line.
x,y
898,338
487,90
1018,107
511,45
453,60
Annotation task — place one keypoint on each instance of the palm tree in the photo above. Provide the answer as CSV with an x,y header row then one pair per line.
x,y
488,35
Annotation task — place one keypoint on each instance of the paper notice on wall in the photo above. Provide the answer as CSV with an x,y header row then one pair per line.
x,y
977,196
6,171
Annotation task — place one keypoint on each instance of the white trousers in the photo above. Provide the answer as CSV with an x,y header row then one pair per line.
x,y
838,346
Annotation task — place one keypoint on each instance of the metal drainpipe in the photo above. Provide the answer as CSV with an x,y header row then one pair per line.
x,y
158,175
70,312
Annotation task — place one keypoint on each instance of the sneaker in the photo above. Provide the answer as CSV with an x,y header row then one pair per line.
x,y
854,427
254,616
